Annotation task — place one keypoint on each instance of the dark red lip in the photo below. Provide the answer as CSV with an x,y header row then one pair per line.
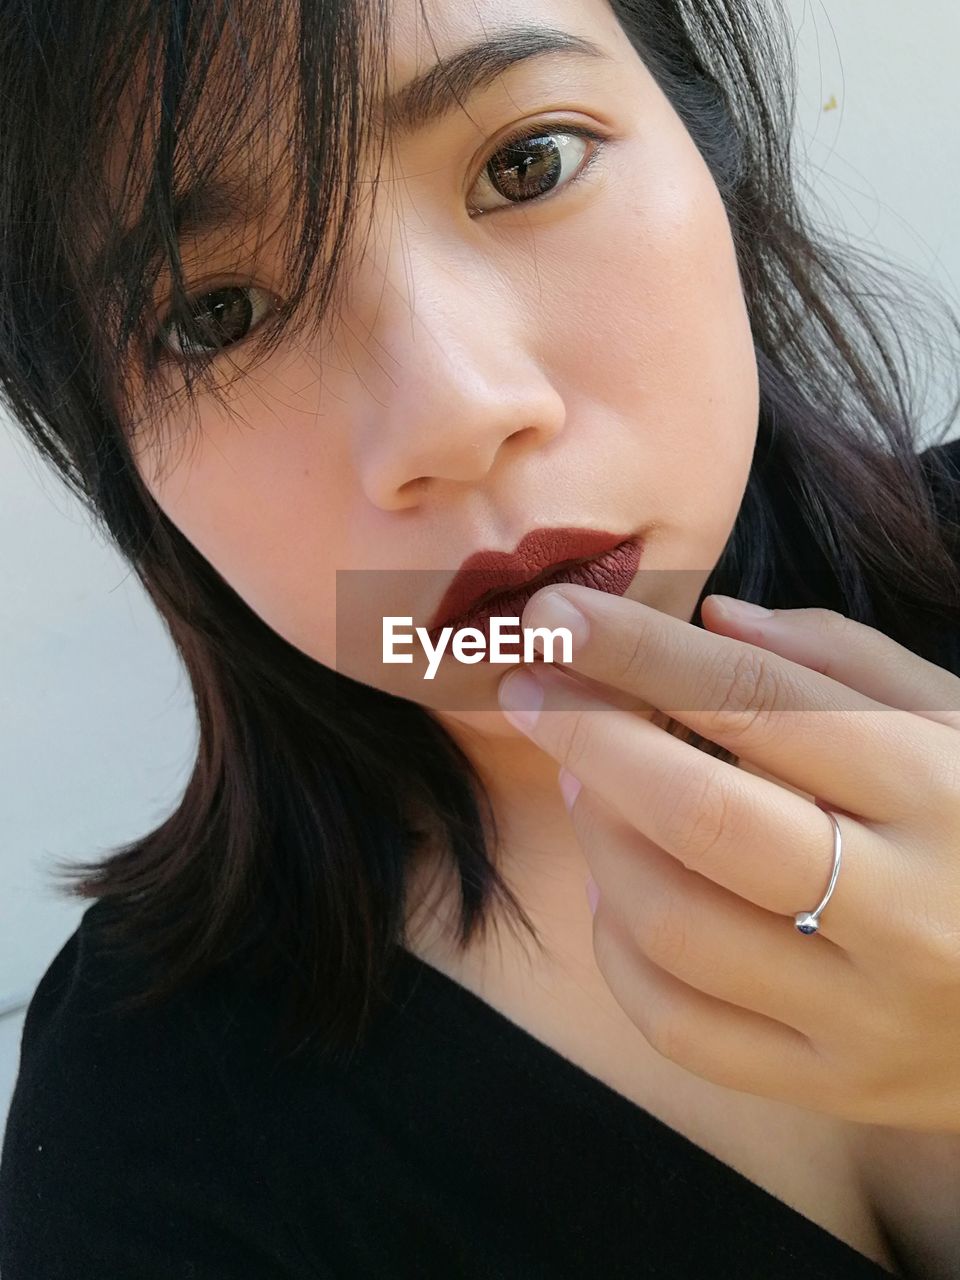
x,y
487,575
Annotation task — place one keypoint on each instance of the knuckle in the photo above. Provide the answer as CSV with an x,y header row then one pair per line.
x,y
575,740
583,735
698,823
630,659
745,693
664,934
654,998
668,1030
833,625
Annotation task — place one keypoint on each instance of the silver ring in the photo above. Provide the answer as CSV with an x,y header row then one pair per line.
x,y
808,922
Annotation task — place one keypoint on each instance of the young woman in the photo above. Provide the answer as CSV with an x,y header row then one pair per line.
x,y
342,313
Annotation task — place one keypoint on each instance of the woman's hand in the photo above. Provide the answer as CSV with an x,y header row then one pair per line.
x,y
702,866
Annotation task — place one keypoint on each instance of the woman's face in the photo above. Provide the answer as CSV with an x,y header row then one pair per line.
x,y
498,363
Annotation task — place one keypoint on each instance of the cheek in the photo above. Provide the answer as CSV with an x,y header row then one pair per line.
x,y
661,338
251,496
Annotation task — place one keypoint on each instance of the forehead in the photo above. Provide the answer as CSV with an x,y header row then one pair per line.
x,y
421,30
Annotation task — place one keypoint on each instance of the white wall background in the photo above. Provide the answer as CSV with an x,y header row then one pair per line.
x,y
97,730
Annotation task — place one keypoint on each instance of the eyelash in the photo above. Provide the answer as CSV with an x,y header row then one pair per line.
x,y
159,352
527,134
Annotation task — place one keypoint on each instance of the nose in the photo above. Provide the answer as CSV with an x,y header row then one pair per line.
x,y
459,387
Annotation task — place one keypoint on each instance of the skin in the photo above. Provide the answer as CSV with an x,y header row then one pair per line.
x,y
583,359
695,883
611,385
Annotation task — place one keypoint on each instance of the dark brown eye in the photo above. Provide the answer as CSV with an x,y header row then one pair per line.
x,y
216,320
536,162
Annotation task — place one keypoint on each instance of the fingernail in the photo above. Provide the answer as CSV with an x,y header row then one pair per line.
x,y
741,608
593,894
521,697
569,787
552,610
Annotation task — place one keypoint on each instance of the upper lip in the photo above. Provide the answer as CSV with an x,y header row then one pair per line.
x,y
539,553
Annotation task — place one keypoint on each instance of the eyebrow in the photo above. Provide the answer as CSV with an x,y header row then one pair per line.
x,y
216,202
436,92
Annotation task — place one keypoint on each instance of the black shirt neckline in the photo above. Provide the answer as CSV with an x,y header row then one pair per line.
x,y
432,995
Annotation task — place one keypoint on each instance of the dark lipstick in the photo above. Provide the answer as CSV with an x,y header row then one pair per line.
x,y
499,583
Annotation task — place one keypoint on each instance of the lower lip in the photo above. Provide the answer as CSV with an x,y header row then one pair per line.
x,y
612,572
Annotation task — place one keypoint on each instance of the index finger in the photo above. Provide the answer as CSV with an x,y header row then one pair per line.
x,y
813,732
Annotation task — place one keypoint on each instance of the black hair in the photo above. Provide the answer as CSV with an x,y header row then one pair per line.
x,y
311,792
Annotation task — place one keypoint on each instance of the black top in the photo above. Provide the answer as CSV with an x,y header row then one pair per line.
x,y
168,1145
165,1147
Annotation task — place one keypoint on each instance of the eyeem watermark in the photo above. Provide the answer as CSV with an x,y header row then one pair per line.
x,y
469,644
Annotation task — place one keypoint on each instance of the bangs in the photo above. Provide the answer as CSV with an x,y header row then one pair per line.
x,y
238,126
